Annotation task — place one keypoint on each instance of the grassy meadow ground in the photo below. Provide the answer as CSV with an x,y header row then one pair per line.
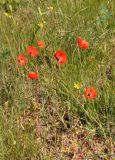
x,y
47,118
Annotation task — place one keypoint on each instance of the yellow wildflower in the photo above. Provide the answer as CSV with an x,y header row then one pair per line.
x,y
50,8
76,85
7,15
41,24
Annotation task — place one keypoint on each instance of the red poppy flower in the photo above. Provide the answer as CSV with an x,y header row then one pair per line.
x,y
82,43
41,44
60,56
21,59
32,75
31,50
90,93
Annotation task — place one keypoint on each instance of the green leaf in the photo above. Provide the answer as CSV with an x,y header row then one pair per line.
x,y
5,53
40,60
48,62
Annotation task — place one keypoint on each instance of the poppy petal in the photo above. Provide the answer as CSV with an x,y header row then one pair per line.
x,y
32,75
85,44
79,40
21,59
82,43
41,44
60,56
31,50
90,93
